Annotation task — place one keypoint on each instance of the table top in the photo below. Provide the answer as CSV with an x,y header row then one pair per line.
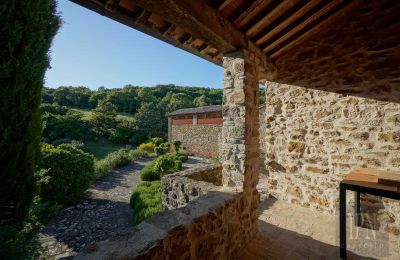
x,y
368,178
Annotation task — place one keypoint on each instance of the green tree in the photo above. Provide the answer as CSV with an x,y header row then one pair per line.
x,y
103,119
27,29
201,101
178,101
151,119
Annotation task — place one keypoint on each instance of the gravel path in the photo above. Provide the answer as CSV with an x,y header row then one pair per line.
x,y
104,210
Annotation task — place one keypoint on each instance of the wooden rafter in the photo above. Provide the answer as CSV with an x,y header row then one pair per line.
x,y
274,14
249,14
316,29
295,16
303,24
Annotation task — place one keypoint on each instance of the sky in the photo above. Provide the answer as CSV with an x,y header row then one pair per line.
x,y
92,50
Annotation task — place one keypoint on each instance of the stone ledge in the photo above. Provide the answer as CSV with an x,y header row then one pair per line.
x,y
140,241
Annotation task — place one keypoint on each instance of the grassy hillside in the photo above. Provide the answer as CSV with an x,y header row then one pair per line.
x,y
87,114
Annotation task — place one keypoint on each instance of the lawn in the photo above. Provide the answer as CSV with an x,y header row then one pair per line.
x,y
100,150
87,113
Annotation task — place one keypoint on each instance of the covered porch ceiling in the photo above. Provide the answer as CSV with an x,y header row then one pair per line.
x,y
210,28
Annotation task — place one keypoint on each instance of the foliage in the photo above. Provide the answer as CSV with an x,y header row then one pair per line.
x,y
27,29
103,119
70,170
151,120
146,200
124,131
117,159
19,240
70,126
162,148
54,109
164,164
149,147
177,144
157,141
181,156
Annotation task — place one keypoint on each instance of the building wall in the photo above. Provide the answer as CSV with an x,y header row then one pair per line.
x,y
200,139
313,138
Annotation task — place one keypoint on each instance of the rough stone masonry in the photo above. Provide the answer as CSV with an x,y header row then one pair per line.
x,y
313,138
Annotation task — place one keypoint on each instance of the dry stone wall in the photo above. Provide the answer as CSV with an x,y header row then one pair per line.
x,y
180,188
314,138
199,140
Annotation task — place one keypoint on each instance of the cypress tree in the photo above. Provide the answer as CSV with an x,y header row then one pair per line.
x,y
27,28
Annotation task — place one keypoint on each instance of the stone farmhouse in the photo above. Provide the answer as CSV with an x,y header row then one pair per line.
x,y
199,129
332,76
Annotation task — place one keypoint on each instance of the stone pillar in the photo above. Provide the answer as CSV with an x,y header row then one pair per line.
x,y
240,129
194,119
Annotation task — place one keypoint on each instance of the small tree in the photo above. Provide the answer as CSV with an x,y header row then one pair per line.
x,y
104,119
177,144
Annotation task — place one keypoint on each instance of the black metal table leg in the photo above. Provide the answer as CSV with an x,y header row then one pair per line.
x,y
342,220
357,217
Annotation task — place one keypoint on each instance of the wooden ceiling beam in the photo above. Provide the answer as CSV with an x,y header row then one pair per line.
x,y
252,11
318,28
294,17
269,18
299,27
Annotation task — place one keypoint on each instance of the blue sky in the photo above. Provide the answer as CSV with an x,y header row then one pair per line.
x,y
92,50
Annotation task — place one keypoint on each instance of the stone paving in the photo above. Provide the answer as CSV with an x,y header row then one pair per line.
x,y
292,232
105,210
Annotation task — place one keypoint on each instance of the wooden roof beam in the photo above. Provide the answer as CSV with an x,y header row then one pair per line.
x,y
207,24
320,27
299,27
200,20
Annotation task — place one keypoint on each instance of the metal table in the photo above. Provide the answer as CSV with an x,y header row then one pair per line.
x,y
361,180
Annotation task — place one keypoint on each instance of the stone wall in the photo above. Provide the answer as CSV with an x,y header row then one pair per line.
x,y
180,188
211,227
199,140
313,138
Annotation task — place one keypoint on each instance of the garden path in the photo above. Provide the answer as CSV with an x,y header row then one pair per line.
x,y
104,210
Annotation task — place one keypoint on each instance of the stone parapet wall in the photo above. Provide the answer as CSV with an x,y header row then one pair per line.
x,y
198,140
216,226
180,188
313,138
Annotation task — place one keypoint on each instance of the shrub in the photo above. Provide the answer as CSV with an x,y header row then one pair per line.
x,y
177,144
70,170
157,141
148,173
137,154
162,148
181,156
164,164
146,200
27,29
149,147
117,159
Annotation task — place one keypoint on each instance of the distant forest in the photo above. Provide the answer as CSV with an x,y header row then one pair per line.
x,y
147,107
